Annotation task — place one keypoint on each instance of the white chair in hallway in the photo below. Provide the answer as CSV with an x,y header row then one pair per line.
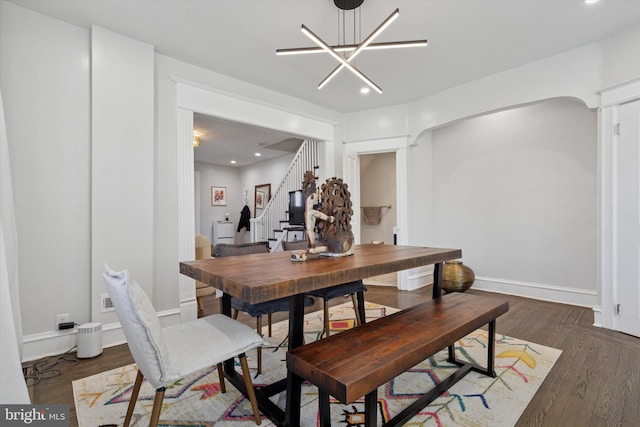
x,y
165,355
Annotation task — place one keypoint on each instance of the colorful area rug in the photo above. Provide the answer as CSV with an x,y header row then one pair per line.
x,y
521,366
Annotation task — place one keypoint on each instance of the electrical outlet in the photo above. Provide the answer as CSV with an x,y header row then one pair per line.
x,y
62,318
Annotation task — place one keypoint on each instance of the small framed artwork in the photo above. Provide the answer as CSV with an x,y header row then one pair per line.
x,y
218,196
259,199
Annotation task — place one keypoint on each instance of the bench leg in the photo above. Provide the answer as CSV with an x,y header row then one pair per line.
x,y
371,409
491,354
323,408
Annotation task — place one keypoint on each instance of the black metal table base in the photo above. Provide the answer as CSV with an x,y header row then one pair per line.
x,y
267,407
293,384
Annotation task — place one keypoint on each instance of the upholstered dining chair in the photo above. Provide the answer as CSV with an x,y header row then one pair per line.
x,y
165,355
203,251
260,309
354,289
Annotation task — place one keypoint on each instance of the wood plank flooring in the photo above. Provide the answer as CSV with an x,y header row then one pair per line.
x,y
596,381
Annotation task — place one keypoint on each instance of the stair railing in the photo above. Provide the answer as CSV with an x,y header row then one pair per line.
x,y
265,226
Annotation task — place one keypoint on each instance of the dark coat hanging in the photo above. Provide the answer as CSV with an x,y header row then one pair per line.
x,y
245,216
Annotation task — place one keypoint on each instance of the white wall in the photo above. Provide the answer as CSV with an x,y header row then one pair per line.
x,y
620,61
516,190
420,197
218,176
573,74
44,74
122,105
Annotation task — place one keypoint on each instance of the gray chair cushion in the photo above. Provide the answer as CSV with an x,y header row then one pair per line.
x,y
228,249
267,307
339,290
295,245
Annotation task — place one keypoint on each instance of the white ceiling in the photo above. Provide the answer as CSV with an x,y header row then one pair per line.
x,y
468,39
222,141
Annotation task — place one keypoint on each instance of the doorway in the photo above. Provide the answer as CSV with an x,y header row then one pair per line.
x,y
191,99
353,162
377,197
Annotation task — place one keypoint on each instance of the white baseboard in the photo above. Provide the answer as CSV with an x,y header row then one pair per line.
x,y
598,319
419,279
52,343
551,293
564,295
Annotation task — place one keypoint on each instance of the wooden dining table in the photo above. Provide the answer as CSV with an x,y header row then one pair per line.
x,y
264,277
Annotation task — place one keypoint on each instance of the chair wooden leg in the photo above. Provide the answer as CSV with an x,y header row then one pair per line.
x,y
133,398
223,387
269,322
157,407
200,306
259,349
355,308
234,314
249,386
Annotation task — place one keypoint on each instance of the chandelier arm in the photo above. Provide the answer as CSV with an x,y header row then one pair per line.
x,y
317,40
350,47
362,46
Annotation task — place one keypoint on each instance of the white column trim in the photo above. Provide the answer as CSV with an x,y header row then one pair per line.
x,y
186,211
608,205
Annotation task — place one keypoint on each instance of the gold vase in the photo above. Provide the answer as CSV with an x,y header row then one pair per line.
x,y
456,277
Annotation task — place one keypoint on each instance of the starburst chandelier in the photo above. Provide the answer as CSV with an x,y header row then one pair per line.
x,y
350,51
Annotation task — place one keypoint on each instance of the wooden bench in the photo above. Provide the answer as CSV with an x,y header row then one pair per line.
x,y
356,362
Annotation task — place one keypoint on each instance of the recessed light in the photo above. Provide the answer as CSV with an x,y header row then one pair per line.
x,y
233,162
258,154
365,90
591,1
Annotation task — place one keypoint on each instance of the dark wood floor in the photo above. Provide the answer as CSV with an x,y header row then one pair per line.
x,y
596,381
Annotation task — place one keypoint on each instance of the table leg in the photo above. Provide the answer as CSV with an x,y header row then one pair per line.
x,y
437,280
296,339
225,305
361,307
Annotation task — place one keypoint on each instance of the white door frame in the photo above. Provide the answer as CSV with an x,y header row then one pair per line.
x,y
351,162
608,172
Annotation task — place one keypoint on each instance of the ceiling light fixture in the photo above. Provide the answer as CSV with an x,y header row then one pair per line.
x,y
352,49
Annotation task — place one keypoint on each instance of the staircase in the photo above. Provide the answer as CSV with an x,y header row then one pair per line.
x,y
273,225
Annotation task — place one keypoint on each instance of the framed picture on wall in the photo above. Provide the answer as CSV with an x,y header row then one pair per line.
x,y
259,199
218,196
